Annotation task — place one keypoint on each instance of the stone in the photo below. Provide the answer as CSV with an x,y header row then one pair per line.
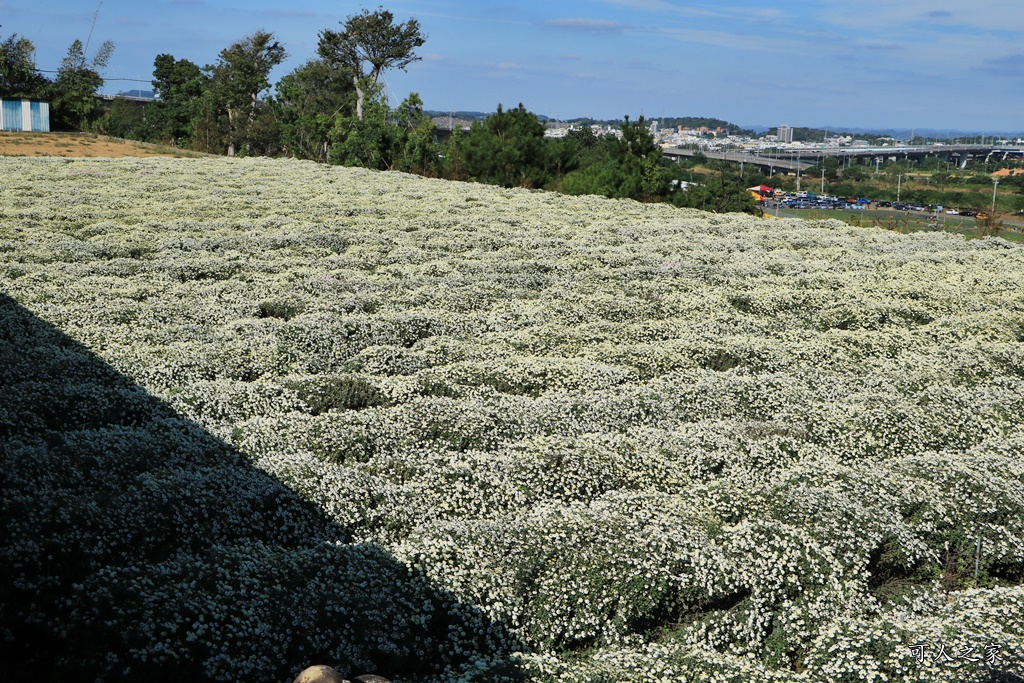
x,y
320,674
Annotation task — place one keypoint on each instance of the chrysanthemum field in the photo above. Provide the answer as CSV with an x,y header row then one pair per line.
x,y
258,415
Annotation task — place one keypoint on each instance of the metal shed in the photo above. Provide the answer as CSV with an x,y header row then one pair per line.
x,y
25,115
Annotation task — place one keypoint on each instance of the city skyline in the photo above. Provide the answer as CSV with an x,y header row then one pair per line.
x,y
869,64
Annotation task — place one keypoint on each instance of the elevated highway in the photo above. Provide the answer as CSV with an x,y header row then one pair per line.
x,y
767,164
781,159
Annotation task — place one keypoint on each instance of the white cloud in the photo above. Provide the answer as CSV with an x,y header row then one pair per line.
x,y
585,24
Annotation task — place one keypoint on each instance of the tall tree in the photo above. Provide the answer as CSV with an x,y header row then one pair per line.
x,y
419,151
508,148
369,43
179,86
309,101
19,77
78,79
239,78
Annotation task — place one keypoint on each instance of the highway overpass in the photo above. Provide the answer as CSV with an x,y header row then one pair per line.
x,y
791,159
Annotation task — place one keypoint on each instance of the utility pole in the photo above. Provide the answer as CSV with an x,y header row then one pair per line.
x,y
899,180
995,184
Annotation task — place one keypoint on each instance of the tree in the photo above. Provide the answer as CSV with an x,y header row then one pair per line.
x,y
124,119
370,142
179,86
625,167
832,168
856,172
240,76
724,194
508,148
419,151
371,38
78,79
309,100
453,162
19,77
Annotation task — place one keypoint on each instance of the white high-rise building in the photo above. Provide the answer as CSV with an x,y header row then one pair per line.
x,y
785,134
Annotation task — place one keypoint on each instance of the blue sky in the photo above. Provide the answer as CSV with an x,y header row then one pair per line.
x,y
940,64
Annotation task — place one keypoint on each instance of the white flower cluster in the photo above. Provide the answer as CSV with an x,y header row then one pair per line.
x,y
262,414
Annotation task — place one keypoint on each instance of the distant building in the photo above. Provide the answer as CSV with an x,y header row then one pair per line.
x,y
785,134
25,115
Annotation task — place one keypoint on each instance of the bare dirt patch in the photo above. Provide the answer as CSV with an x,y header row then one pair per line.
x,y
79,145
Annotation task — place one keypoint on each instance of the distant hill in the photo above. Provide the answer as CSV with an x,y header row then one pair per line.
x,y
467,115
663,121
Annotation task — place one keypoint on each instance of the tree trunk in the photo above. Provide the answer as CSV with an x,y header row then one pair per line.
x,y
359,97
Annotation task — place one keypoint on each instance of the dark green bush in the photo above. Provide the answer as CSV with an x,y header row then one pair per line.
x,y
278,308
337,393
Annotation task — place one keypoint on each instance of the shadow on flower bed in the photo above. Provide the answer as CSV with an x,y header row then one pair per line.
x,y
135,545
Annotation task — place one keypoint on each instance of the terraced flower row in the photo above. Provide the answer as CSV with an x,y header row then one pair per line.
x,y
290,414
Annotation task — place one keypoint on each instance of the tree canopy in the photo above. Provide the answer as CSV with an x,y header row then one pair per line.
x,y
241,74
180,86
374,39
78,79
19,77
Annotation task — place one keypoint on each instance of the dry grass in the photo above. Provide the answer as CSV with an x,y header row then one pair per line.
x,y
80,145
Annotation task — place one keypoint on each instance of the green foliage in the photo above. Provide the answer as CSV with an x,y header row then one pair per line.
x,y
453,161
622,167
123,118
856,172
238,80
279,308
308,102
373,38
508,149
19,76
370,141
180,85
1014,182
722,193
337,393
77,81
418,152
830,166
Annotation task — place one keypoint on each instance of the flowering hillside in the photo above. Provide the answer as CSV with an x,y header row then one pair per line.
x,y
260,414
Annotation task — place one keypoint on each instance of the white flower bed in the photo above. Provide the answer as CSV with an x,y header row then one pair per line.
x,y
550,437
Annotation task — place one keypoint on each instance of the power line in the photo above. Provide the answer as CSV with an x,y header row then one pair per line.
x,y
136,80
